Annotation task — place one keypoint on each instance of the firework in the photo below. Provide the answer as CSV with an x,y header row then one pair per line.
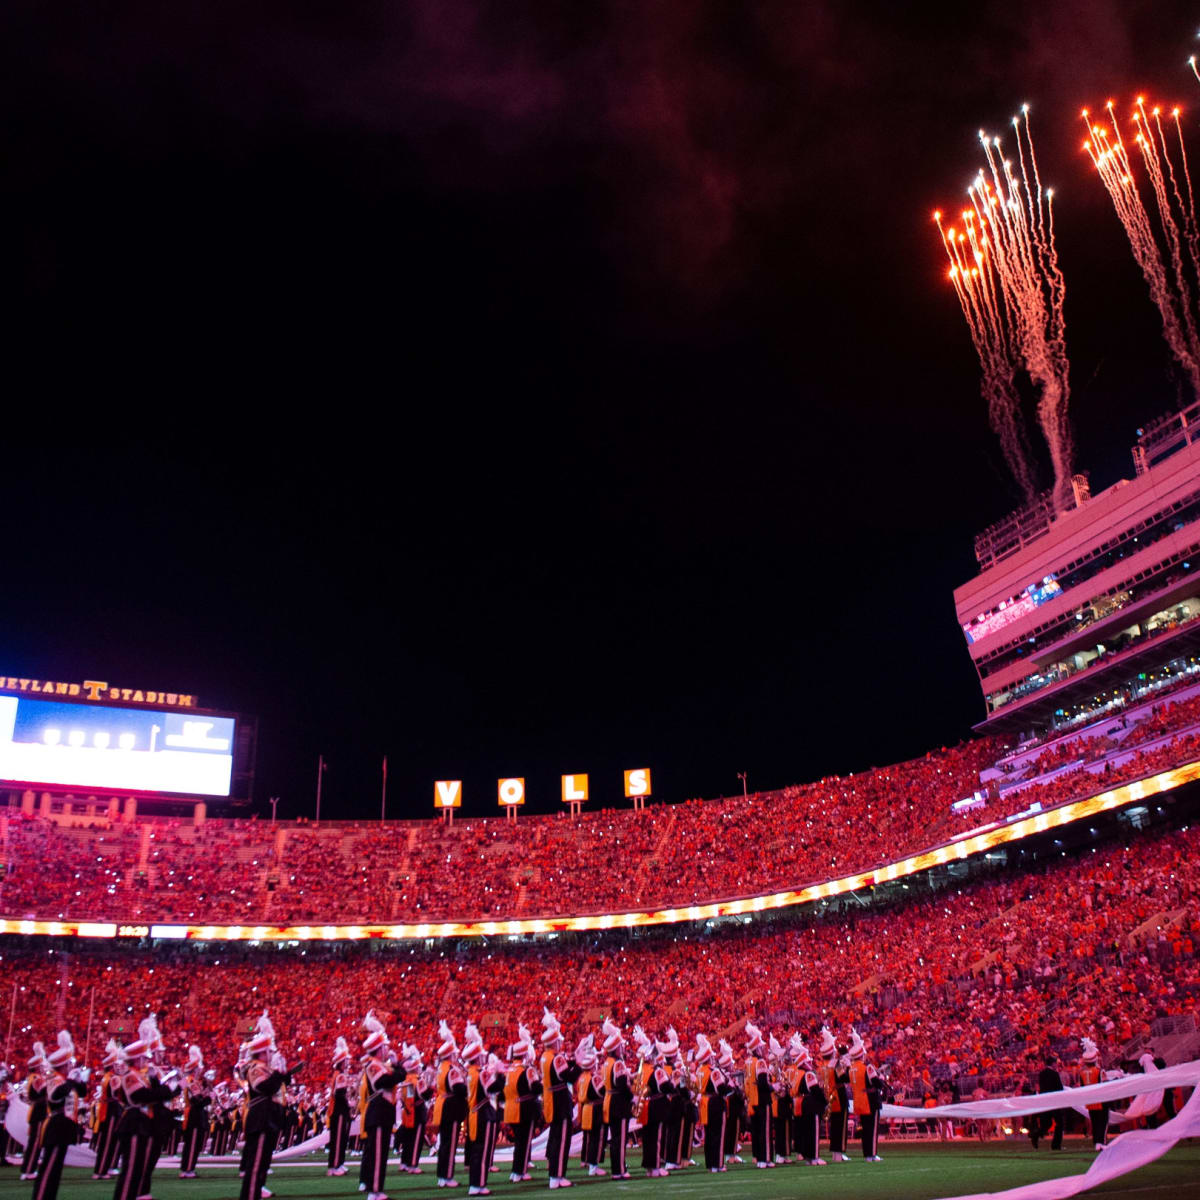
x,y
1005,271
1166,249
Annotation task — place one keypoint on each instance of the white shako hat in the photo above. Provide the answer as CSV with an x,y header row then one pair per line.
x,y
522,1046
113,1054
725,1053
473,1047
774,1049
585,1052
1090,1052
613,1037
754,1037
341,1051
826,1047
551,1029
63,1052
669,1047
410,1056
857,1049
263,1039
377,1036
448,1045
148,1039
39,1056
704,1050
195,1059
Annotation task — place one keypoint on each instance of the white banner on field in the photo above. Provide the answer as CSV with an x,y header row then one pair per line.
x,y
1124,1154
1182,1075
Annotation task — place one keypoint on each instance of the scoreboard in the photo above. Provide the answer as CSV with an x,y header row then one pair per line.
x,y
56,736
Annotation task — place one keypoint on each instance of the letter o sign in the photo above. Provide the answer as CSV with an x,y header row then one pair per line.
x,y
512,791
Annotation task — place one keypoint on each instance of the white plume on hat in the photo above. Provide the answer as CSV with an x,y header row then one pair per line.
x,y
341,1051
410,1056
645,1047
585,1052
195,1061
523,1044
551,1029
725,1053
613,1037
148,1032
857,1049
826,1047
473,1042
39,1055
797,1048
376,1034
754,1037
113,1053
704,1050
671,1045
774,1049
1090,1051
448,1046
64,1052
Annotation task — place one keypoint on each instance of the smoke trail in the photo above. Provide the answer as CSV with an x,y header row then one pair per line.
x,y
1167,279
1005,269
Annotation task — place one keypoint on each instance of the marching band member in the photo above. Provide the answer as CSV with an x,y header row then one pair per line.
x,y
65,1085
522,1089
589,1094
866,1090
781,1101
339,1109
449,1107
675,1150
106,1113
735,1103
833,1083
485,1080
162,1117
1089,1073
758,1097
618,1097
382,1073
35,1097
195,1117
142,1090
808,1104
558,1074
266,1073
656,1093
415,1093
714,1089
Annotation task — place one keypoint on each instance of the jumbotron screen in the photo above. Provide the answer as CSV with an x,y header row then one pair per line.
x,y
61,744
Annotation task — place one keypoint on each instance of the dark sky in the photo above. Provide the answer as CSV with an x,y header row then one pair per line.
x,y
529,388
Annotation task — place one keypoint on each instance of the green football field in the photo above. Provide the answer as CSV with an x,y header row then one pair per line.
x,y
910,1171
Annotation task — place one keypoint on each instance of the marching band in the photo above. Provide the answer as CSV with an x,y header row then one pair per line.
x,y
677,1103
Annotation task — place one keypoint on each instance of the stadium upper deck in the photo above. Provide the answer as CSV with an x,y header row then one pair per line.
x,y
1084,610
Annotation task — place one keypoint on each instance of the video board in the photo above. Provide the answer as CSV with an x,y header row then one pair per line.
x,y
60,743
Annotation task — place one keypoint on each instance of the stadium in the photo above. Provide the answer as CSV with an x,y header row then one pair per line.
x,y
964,919
553,415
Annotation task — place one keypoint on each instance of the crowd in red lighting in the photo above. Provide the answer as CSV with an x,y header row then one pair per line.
x,y
966,982
666,856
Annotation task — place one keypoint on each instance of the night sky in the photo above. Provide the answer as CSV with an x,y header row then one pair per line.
x,y
532,388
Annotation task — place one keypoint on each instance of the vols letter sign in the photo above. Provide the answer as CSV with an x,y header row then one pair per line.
x,y
574,789
512,791
637,783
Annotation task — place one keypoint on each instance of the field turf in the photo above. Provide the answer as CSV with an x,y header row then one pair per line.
x,y
910,1171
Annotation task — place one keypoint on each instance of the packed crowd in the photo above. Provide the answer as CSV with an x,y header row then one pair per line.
x,y
968,981
668,855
